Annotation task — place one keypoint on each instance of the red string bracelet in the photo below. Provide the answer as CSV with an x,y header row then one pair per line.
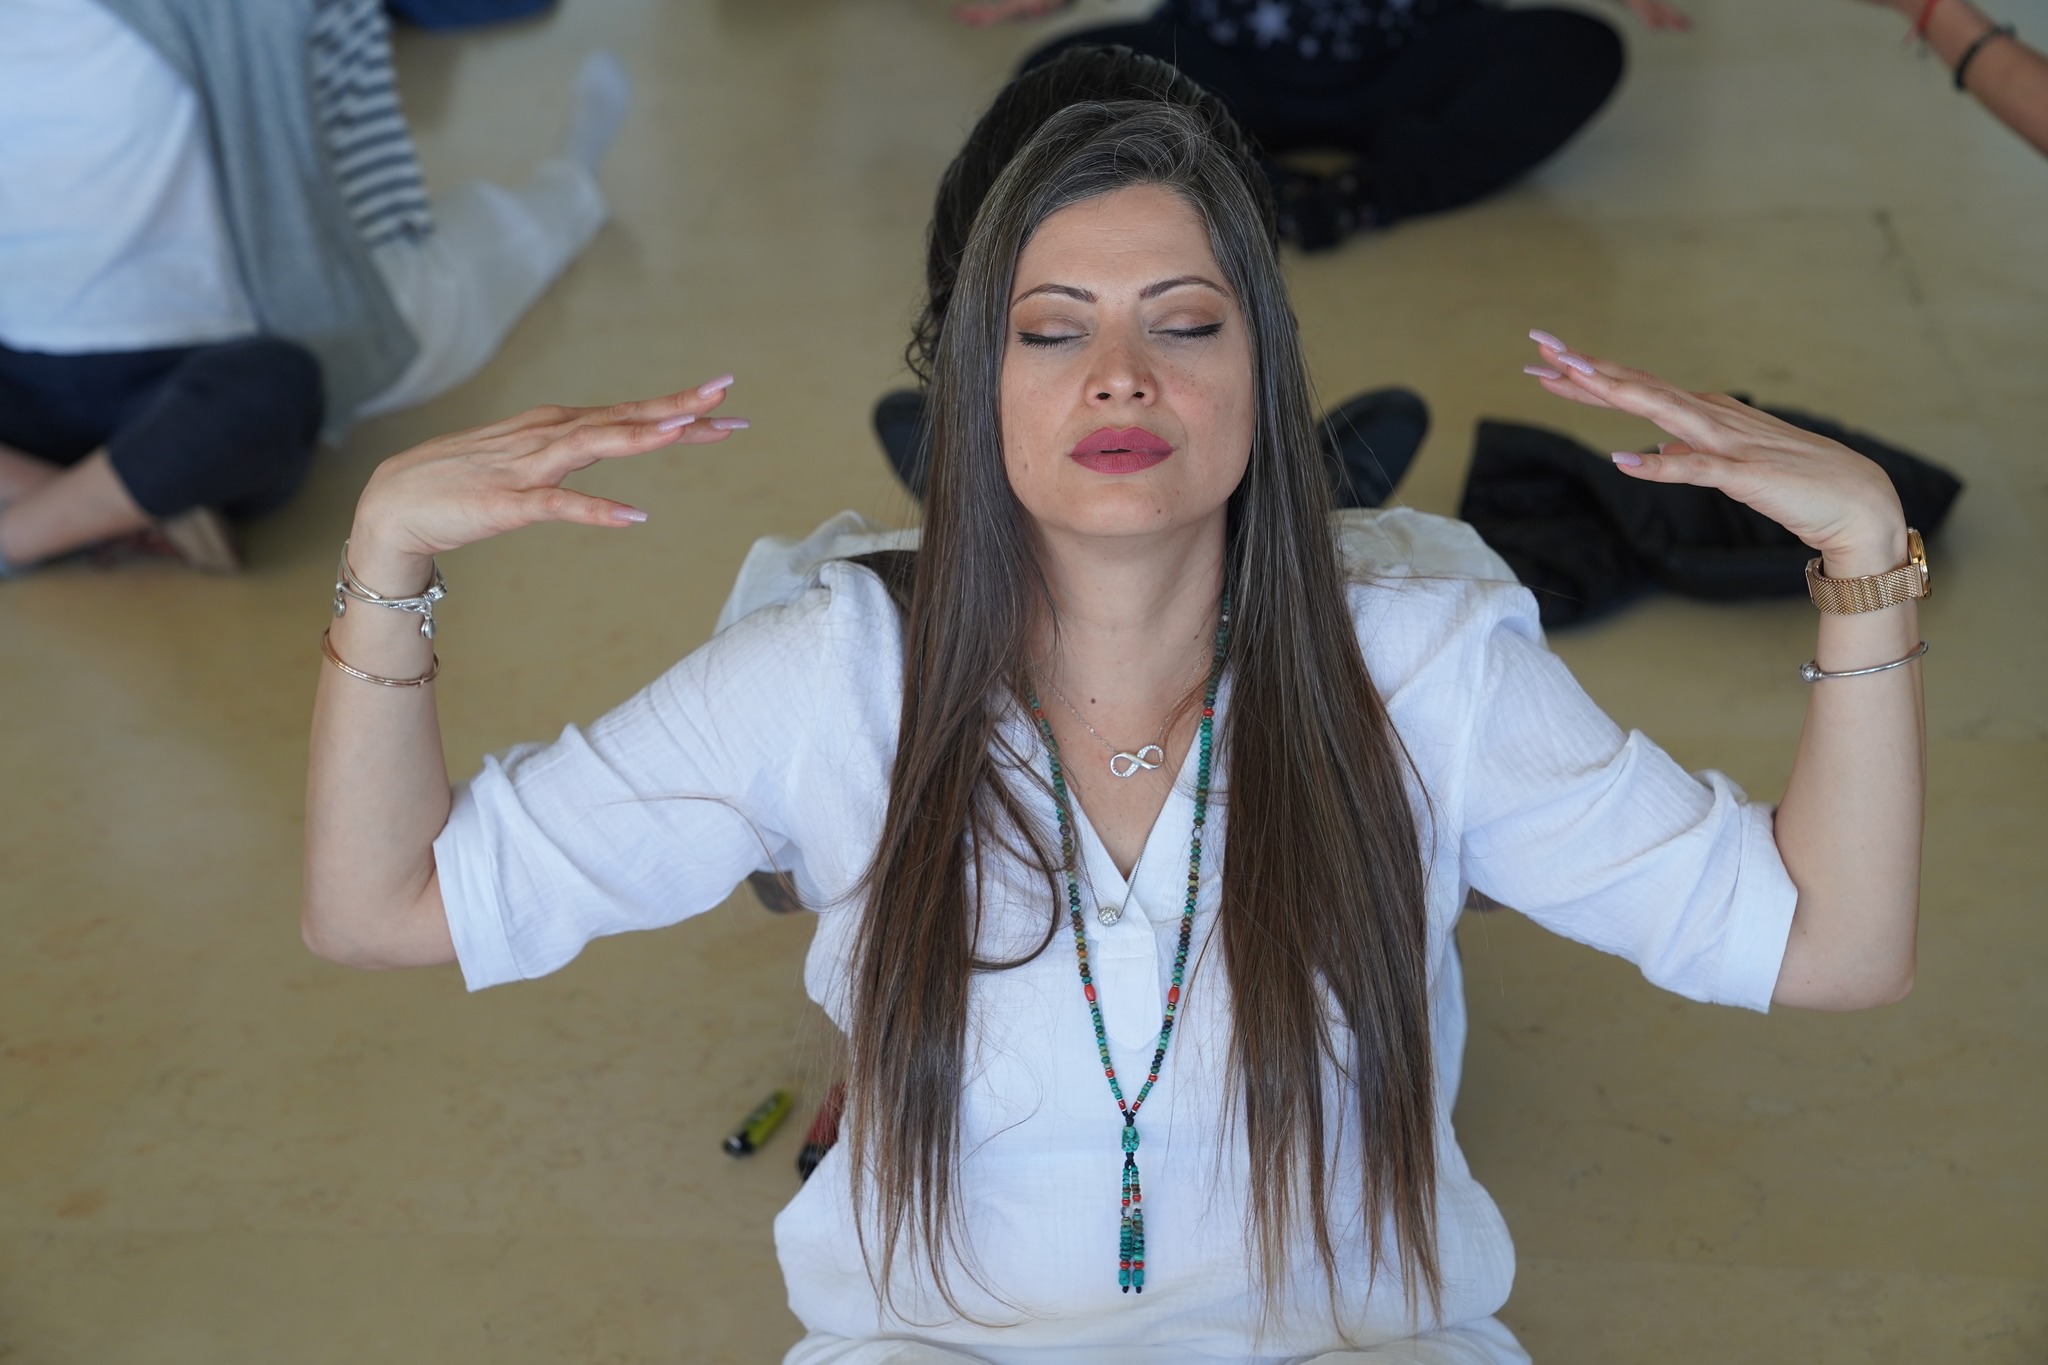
x,y
1919,33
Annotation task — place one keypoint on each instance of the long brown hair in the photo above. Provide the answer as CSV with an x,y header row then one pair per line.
x,y
1322,909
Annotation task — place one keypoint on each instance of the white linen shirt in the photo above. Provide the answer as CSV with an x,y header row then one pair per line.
x,y
781,731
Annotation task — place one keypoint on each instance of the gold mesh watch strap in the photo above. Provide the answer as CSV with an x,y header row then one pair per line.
x,y
1873,592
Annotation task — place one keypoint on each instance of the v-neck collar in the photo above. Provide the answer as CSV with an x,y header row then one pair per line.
x,y
1171,829
1159,878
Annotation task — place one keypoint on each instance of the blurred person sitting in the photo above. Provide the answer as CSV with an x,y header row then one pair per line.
x,y
1368,440
215,240
1435,103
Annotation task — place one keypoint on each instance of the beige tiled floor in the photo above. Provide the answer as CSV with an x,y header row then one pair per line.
x,y
216,1149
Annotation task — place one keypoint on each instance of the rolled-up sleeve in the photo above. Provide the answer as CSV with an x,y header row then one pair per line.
x,y
1600,836
651,815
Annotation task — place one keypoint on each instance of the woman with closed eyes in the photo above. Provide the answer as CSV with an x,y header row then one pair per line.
x,y
1370,438
1136,830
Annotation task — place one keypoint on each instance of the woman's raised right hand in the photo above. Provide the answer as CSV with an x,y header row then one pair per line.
x,y
456,490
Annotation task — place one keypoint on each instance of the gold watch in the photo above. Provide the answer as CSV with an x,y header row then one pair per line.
x,y
1872,592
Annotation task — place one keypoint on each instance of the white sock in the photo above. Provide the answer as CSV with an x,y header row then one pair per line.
x,y
602,92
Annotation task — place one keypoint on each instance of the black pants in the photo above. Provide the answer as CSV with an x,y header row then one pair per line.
x,y
231,426
1482,97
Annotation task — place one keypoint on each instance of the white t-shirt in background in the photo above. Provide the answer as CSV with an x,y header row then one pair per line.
x,y
111,232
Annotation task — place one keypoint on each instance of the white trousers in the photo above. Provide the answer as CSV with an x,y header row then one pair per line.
x,y
1486,1342
492,253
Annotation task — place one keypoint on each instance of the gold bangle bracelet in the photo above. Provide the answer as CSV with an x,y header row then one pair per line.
x,y
1872,592
327,648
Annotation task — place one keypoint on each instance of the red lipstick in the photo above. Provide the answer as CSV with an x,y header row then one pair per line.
x,y
1126,450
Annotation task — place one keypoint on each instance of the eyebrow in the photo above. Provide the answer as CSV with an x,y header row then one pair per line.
x,y
1150,291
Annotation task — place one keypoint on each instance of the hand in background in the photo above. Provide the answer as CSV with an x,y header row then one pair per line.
x,y
983,13
1659,17
2008,77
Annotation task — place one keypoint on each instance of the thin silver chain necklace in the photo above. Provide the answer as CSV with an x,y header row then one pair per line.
x,y
1122,762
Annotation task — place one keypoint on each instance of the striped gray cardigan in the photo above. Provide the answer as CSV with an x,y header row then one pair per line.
x,y
300,242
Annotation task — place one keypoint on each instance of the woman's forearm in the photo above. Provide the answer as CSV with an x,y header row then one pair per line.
x,y
1849,828
377,784
2009,78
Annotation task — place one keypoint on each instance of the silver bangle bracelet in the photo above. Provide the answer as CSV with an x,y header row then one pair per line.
x,y
347,585
1810,671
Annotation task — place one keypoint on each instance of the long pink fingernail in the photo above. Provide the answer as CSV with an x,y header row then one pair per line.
x,y
1577,362
1627,458
731,424
718,385
675,423
1542,372
623,513
1543,338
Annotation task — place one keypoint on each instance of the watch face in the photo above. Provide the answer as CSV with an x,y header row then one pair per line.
x,y
1916,556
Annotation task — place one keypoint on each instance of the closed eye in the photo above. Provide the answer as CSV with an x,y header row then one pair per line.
x,y
1208,330
1042,339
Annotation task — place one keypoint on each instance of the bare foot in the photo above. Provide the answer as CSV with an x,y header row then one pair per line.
x,y
79,506
21,474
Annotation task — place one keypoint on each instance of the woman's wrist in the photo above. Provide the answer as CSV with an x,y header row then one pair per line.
x,y
1951,26
1877,548
382,567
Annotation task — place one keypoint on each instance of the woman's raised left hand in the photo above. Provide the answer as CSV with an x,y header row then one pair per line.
x,y
1821,491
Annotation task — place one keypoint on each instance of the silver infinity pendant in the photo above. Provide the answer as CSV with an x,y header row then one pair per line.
x,y
1130,765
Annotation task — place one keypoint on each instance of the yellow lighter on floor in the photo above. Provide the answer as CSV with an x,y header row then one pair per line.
x,y
755,1128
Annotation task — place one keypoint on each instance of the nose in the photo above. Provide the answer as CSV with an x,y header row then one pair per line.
x,y
1121,372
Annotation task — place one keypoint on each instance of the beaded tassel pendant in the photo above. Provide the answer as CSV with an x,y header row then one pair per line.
x,y
1130,1249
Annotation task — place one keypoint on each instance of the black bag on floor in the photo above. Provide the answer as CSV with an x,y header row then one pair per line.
x,y
1587,539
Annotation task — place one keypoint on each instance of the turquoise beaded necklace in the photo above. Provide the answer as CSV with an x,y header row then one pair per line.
x,y
1130,1274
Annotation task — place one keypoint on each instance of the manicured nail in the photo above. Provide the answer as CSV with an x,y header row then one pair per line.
x,y
1542,372
730,424
675,423
1628,459
623,513
1542,338
718,385
1577,362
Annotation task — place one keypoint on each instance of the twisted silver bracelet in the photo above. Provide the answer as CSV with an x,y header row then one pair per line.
x,y
347,585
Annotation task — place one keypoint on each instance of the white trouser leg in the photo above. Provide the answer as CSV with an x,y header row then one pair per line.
x,y
821,1349
1487,1342
493,252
